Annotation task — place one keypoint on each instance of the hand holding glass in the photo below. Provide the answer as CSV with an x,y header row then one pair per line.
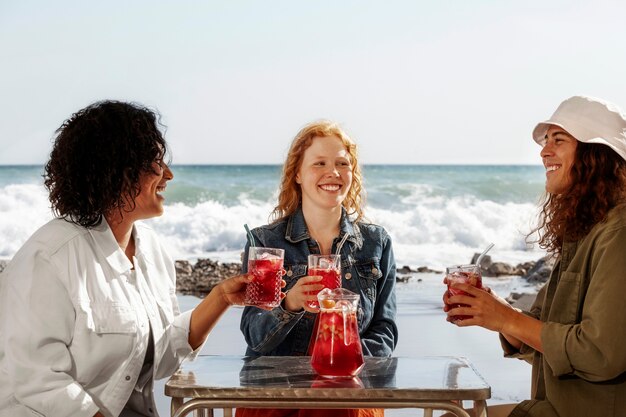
x,y
329,268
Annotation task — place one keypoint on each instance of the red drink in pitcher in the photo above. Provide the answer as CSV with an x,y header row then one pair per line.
x,y
466,274
337,351
265,265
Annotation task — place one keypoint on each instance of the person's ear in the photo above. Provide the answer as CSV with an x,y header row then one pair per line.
x,y
298,181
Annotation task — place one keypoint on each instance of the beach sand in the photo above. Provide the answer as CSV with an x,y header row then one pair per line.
x,y
423,332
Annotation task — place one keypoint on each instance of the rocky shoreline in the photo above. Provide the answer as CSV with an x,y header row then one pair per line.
x,y
200,278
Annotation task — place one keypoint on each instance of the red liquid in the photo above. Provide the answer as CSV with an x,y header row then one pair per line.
x,y
264,290
331,278
466,278
337,352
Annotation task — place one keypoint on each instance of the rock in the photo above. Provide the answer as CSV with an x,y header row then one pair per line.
x,y
497,269
183,268
425,269
488,268
3,264
203,276
522,301
404,270
485,263
404,278
540,272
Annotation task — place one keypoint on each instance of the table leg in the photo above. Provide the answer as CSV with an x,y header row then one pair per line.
x,y
428,412
175,405
480,408
228,412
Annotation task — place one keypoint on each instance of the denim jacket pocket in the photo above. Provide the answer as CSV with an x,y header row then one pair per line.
x,y
369,272
294,271
113,318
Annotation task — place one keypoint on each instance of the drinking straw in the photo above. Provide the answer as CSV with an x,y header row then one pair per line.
x,y
482,255
250,237
340,244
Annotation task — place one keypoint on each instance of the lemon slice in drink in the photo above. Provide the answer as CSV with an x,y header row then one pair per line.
x,y
328,303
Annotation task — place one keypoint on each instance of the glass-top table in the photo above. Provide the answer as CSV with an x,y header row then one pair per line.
x,y
430,383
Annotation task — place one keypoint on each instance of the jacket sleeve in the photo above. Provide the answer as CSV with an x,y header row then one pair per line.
x,y
593,349
265,330
526,352
172,342
381,336
38,321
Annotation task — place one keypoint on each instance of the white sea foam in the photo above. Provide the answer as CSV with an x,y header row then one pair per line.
x,y
426,230
23,209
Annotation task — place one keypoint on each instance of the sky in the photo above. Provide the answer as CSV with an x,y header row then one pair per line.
x,y
413,82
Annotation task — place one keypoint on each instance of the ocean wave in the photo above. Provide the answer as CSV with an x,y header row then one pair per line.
x,y
426,230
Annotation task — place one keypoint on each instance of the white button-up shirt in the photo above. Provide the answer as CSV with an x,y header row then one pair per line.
x,y
75,323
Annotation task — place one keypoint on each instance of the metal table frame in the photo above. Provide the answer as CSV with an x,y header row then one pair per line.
x,y
227,382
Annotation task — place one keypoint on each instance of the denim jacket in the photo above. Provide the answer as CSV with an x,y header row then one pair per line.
x,y
367,267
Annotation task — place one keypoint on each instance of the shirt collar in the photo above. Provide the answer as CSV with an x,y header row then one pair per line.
x,y
109,248
297,230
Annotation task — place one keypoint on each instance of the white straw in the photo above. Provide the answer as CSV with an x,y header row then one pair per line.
x,y
340,244
482,255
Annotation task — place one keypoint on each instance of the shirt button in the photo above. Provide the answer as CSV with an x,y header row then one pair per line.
x,y
374,271
289,273
348,275
127,378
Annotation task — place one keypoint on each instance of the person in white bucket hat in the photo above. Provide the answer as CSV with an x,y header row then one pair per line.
x,y
575,332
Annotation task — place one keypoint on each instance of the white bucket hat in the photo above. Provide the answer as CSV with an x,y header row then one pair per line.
x,y
589,120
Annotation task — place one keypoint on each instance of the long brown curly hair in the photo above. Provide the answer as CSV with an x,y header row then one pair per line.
x,y
98,157
598,183
290,195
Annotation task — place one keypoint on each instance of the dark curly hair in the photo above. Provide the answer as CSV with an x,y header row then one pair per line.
x,y
98,156
598,184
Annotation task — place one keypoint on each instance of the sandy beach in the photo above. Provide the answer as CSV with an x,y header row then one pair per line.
x,y
423,332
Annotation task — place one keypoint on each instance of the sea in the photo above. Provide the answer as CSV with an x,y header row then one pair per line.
x,y
436,215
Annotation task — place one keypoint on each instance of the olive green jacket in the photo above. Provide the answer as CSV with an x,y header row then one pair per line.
x,y
582,371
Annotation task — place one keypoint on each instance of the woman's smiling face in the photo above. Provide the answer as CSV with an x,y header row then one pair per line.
x,y
558,156
325,175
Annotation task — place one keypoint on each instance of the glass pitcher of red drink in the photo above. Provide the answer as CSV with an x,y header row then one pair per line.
x,y
337,351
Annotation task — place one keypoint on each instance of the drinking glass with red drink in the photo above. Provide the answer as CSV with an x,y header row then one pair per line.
x,y
465,274
337,351
266,266
329,268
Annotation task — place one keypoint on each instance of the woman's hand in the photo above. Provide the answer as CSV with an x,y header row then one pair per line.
x,y
485,307
302,293
233,290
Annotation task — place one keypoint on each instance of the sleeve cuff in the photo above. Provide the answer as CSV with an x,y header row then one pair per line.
x,y
554,338
182,323
285,315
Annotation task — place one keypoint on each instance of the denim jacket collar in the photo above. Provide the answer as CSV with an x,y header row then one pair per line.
x,y
297,230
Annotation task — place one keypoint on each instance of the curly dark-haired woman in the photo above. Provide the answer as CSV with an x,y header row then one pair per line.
x,y
89,313
575,332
